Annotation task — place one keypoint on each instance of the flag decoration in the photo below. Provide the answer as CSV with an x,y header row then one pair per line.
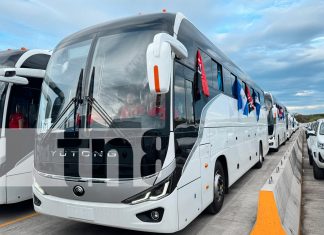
x,y
242,102
257,104
219,78
202,73
249,98
280,112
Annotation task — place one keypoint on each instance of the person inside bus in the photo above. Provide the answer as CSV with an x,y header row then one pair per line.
x,y
131,108
17,119
156,106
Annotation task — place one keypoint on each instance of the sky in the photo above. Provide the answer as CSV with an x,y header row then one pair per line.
x,y
280,44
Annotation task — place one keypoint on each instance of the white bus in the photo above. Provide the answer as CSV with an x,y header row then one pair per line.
x,y
134,135
276,122
289,123
295,124
21,75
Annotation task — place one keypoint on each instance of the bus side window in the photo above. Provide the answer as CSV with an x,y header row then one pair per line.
x,y
189,102
179,113
217,76
23,105
183,96
228,82
207,61
38,61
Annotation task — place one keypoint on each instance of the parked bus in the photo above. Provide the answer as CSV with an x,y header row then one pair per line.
x,y
21,75
141,127
295,124
289,123
276,122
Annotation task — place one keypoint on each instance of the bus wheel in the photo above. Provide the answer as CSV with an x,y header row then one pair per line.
x,y
318,172
258,165
310,157
219,190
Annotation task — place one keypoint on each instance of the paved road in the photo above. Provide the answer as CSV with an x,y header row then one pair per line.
x,y
236,217
312,201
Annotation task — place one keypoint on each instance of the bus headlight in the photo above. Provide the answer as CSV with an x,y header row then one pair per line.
x,y
320,145
39,188
154,193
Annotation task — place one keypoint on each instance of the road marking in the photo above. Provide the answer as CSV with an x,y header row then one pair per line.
x,y
18,220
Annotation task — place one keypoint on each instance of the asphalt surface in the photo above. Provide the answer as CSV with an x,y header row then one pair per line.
x,y
312,200
237,216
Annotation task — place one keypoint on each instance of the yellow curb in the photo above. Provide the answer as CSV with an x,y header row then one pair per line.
x,y
268,219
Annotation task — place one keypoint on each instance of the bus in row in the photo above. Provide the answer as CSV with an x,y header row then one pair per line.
x,y
278,122
139,118
21,75
290,122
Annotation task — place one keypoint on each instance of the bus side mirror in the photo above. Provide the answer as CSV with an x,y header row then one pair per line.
x,y
10,76
159,61
14,79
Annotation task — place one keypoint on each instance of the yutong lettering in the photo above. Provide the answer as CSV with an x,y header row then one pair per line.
x,y
74,153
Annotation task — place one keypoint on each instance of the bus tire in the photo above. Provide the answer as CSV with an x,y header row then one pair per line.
x,y
310,157
318,172
219,187
258,165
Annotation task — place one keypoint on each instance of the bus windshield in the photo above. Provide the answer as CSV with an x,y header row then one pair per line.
x,y
118,113
61,81
116,82
8,59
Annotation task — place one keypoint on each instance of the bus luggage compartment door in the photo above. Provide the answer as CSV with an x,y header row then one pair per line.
x,y
206,171
189,202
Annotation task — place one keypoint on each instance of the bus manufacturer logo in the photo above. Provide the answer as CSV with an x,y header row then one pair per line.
x,y
78,190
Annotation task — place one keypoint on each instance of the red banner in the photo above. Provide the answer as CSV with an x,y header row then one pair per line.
x,y
201,71
249,98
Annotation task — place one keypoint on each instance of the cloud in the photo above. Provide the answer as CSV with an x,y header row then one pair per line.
x,y
306,107
305,93
279,43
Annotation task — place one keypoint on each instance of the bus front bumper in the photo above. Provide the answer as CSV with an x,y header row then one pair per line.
x,y
111,214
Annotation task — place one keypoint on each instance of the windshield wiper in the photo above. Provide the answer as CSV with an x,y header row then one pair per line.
x,y
101,111
93,103
76,101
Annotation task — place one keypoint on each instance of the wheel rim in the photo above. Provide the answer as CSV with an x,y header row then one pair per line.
x,y
218,187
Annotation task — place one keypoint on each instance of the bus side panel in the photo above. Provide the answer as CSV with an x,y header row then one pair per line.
x,y
3,193
189,203
19,187
2,151
225,134
192,169
19,181
207,175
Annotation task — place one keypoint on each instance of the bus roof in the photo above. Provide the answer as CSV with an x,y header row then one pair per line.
x,y
161,21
